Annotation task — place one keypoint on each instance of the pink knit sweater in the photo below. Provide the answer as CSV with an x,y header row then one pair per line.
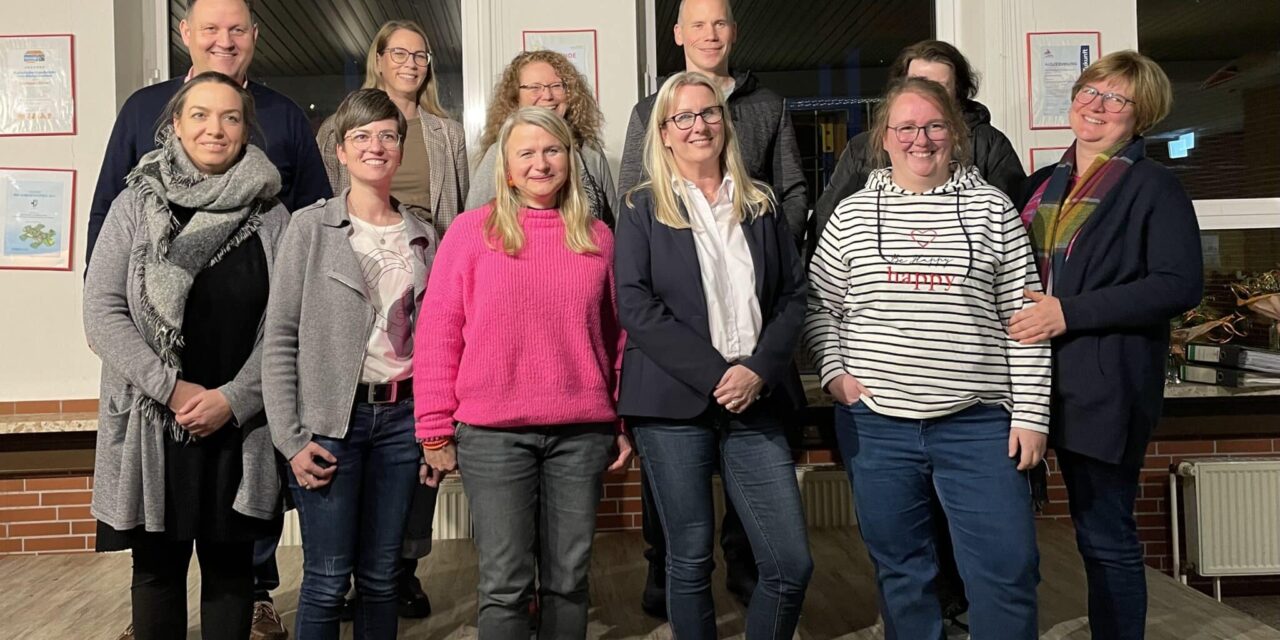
x,y
514,341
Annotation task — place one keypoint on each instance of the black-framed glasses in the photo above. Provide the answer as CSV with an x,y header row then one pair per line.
x,y
537,88
362,140
684,120
1111,102
935,131
400,56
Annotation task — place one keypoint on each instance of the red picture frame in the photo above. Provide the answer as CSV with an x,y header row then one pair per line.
x,y
595,50
1031,159
75,104
71,224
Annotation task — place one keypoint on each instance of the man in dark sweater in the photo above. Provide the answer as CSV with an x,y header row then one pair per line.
x,y
706,32
220,34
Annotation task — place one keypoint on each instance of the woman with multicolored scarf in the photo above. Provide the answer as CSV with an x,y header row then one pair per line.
x,y
1118,248
173,304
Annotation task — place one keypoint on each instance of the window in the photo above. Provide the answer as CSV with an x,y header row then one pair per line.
x,y
1223,57
314,52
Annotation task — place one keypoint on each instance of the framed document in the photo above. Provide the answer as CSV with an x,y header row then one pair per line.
x,y
37,209
1042,157
578,45
38,76
1054,63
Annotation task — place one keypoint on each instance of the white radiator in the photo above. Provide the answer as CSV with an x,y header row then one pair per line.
x,y
453,516
1232,516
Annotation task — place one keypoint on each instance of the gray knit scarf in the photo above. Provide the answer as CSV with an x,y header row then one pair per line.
x,y
228,209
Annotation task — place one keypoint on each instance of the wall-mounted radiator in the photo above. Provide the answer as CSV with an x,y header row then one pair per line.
x,y
1232,517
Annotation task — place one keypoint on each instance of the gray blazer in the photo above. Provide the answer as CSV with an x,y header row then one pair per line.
x,y
446,155
128,472
319,318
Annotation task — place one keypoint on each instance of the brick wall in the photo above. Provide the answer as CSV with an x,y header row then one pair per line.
x,y
46,515
1152,508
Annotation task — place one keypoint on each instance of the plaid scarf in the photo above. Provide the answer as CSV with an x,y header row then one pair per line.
x,y
1060,215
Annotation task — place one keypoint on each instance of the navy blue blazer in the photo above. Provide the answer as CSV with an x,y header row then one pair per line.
x,y
286,137
1136,265
670,368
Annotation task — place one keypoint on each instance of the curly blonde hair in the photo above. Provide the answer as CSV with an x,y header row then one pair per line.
x,y
581,110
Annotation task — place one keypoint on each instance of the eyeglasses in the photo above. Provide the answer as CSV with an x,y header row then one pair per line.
x,y
400,56
684,120
362,140
537,88
935,131
1111,102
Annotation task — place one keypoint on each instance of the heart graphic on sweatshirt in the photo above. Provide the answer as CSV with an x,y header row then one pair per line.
x,y
924,237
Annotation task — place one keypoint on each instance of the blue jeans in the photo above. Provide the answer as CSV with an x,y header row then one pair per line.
x,y
755,465
1101,497
356,523
533,493
987,501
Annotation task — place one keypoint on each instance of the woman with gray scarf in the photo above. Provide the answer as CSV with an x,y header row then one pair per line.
x,y
173,305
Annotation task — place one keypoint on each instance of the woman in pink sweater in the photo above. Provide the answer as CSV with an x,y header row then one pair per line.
x,y
515,369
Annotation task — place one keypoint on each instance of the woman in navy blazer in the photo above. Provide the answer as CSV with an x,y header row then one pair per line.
x,y
711,292
1119,253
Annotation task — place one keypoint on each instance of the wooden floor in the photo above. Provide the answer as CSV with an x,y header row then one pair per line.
x,y
85,596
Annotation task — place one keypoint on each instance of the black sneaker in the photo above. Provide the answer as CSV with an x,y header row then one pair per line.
x,y
348,611
411,600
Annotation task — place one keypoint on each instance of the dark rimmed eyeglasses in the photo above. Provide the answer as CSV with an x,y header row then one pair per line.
x,y
685,119
935,131
400,56
1111,102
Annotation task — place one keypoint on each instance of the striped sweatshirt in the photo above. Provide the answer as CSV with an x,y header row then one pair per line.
x,y
911,293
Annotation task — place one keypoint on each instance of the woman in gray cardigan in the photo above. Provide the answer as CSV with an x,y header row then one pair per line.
x,y
337,371
547,79
173,304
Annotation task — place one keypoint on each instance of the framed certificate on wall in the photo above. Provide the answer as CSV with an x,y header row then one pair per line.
x,y
37,218
1055,60
38,82
578,45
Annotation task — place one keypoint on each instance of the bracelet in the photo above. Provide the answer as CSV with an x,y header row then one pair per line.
x,y
436,444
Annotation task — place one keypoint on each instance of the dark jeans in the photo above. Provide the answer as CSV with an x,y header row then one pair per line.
x,y
160,589
1101,497
755,465
740,564
533,493
987,501
355,524
266,574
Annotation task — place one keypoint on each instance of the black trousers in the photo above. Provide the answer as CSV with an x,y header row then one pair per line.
x,y
739,560
160,589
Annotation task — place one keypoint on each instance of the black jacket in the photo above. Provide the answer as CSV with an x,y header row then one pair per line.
x,y
994,157
1136,264
670,368
765,137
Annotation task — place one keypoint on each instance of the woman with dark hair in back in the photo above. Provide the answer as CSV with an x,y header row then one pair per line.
x,y
337,371
173,304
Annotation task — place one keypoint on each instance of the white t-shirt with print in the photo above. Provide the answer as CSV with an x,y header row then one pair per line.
x,y
386,260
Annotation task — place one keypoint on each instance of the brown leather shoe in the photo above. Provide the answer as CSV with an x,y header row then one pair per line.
x,y
266,623
127,635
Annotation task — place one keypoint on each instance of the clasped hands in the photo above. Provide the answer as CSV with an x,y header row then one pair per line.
x,y
738,388
199,410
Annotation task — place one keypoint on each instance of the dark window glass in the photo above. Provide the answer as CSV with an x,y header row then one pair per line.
x,y
828,58
314,52
1230,257
1223,57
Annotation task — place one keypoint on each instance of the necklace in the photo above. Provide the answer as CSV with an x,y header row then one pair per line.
x,y
382,229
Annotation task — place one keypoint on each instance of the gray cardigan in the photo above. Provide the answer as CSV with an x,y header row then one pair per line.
x,y
319,318
128,472
593,162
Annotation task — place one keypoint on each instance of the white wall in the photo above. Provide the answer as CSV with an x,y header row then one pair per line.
x,y
993,35
43,355
491,31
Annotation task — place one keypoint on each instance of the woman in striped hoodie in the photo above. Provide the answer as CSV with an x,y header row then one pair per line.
x,y
911,289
